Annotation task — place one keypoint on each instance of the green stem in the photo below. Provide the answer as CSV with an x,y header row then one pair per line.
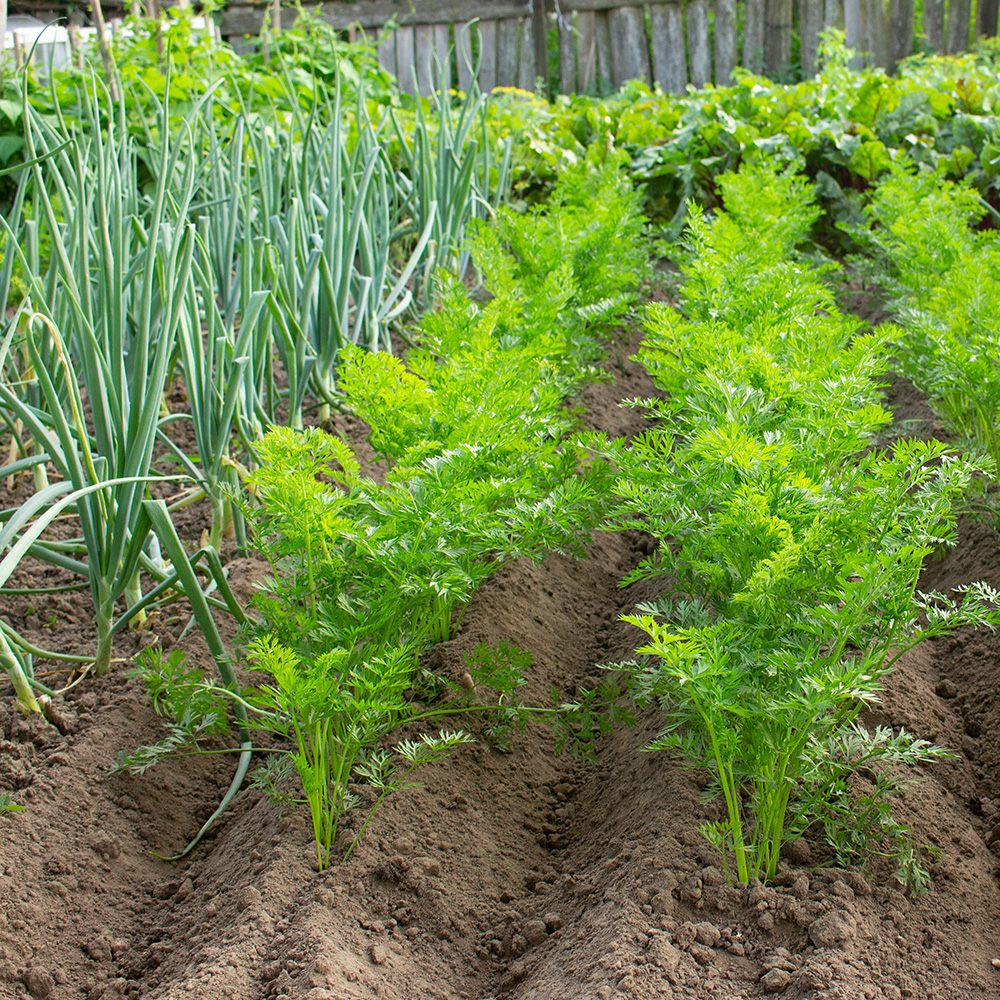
x,y
133,595
27,703
105,611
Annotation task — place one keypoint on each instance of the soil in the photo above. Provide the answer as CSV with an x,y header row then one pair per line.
x,y
525,874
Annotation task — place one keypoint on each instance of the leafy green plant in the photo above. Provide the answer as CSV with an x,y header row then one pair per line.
x,y
793,548
8,805
849,786
335,710
947,296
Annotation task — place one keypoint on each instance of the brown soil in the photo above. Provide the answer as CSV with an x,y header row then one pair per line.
x,y
516,875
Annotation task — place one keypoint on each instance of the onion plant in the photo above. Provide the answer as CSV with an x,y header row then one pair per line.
x,y
99,338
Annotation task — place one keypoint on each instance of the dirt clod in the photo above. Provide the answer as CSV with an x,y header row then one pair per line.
x,y
833,929
39,983
776,980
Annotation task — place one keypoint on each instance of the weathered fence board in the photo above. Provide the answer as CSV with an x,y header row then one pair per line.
x,y
526,57
810,24
699,56
725,41
986,18
463,55
934,24
854,26
605,67
603,43
387,51
629,54
777,36
901,31
586,50
959,18
423,56
753,36
567,54
669,54
406,62
508,37
487,54
876,32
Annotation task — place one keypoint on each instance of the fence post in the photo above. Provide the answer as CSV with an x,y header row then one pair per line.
x,y
539,30
753,36
986,18
833,14
698,48
934,24
777,36
629,47
810,21
669,55
567,53
605,65
901,30
959,16
725,41
854,31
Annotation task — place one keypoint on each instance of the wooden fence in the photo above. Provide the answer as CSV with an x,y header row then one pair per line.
x,y
603,43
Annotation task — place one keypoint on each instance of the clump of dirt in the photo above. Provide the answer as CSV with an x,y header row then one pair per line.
x,y
520,874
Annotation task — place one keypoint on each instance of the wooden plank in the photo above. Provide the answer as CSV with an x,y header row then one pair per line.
x,y
246,18
753,36
605,66
387,51
567,53
810,25
699,53
406,69
526,57
629,48
854,30
586,50
934,24
959,23
423,43
901,31
442,52
854,26
833,14
725,41
508,36
487,55
877,32
986,18
777,36
540,40
669,52
463,54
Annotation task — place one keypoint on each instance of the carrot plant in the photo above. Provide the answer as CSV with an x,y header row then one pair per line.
x,y
947,297
793,547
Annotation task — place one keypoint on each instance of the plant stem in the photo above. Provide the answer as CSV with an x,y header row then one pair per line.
x,y
105,611
27,703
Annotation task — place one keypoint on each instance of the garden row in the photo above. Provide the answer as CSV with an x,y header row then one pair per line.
x,y
790,543
271,263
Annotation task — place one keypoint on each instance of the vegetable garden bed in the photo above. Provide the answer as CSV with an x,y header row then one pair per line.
x,y
422,628
521,874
